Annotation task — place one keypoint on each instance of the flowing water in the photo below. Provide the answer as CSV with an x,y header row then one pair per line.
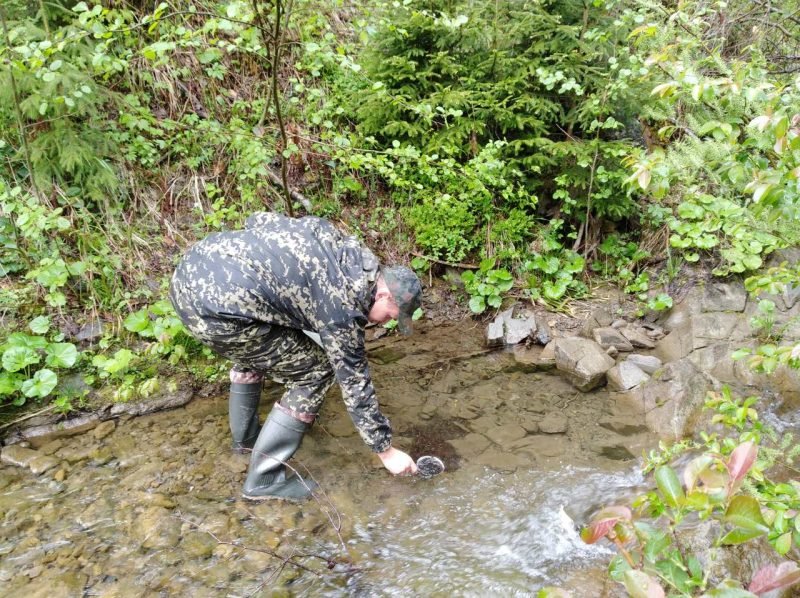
x,y
153,508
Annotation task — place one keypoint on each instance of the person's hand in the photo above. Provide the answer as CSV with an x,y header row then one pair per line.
x,y
398,462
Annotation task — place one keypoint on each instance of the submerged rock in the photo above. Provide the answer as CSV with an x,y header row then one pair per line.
x,y
505,435
553,423
18,455
471,445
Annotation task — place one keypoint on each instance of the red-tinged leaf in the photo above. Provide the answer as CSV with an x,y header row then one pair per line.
x,y
640,585
603,522
745,512
598,529
694,470
773,577
741,460
713,479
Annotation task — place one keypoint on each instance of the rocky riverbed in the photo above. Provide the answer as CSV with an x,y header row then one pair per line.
x,y
142,505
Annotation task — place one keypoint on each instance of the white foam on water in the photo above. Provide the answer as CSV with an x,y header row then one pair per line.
x,y
494,532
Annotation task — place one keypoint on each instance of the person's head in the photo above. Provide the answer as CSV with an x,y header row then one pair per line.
x,y
398,294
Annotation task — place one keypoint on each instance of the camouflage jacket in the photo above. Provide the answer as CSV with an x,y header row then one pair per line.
x,y
304,274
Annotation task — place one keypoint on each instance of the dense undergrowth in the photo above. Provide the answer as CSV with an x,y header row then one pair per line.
x,y
552,143
539,146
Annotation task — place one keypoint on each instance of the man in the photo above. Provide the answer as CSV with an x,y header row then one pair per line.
x,y
256,296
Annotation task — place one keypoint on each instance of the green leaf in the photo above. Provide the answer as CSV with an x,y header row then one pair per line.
x,y
17,358
10,383
751,261
477,305
669,485
617,568
739,536
783,543
729,589
741,354
641,585
40,325
138,321
655,544
745,512
20,339
41,385
61,355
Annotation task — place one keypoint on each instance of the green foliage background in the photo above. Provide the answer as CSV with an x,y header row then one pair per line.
x,y
552,140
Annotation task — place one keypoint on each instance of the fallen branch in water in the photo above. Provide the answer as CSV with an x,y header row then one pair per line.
x,y
290,559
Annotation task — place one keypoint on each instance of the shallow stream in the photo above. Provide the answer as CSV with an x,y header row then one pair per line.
x,y
151,506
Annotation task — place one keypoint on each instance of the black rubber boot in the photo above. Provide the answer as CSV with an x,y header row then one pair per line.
x,y
267,478
243,415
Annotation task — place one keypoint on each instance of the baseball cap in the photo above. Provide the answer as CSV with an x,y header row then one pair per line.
x,y
406,291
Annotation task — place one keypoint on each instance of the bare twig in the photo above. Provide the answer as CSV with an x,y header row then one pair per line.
x,y
26,417
276,54
295,195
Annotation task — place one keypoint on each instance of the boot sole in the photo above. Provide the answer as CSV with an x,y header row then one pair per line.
x,y
277,498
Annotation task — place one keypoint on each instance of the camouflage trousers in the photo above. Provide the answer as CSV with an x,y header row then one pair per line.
x,y
284,355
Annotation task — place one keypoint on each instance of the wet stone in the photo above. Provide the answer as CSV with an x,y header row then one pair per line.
x,y
101,455
104,429
74,454
502,461
17,455
156,499
65,584
198,545
471,445
545,445
51,447
157,528
505,435
386,355
616,453
42,463
553,423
